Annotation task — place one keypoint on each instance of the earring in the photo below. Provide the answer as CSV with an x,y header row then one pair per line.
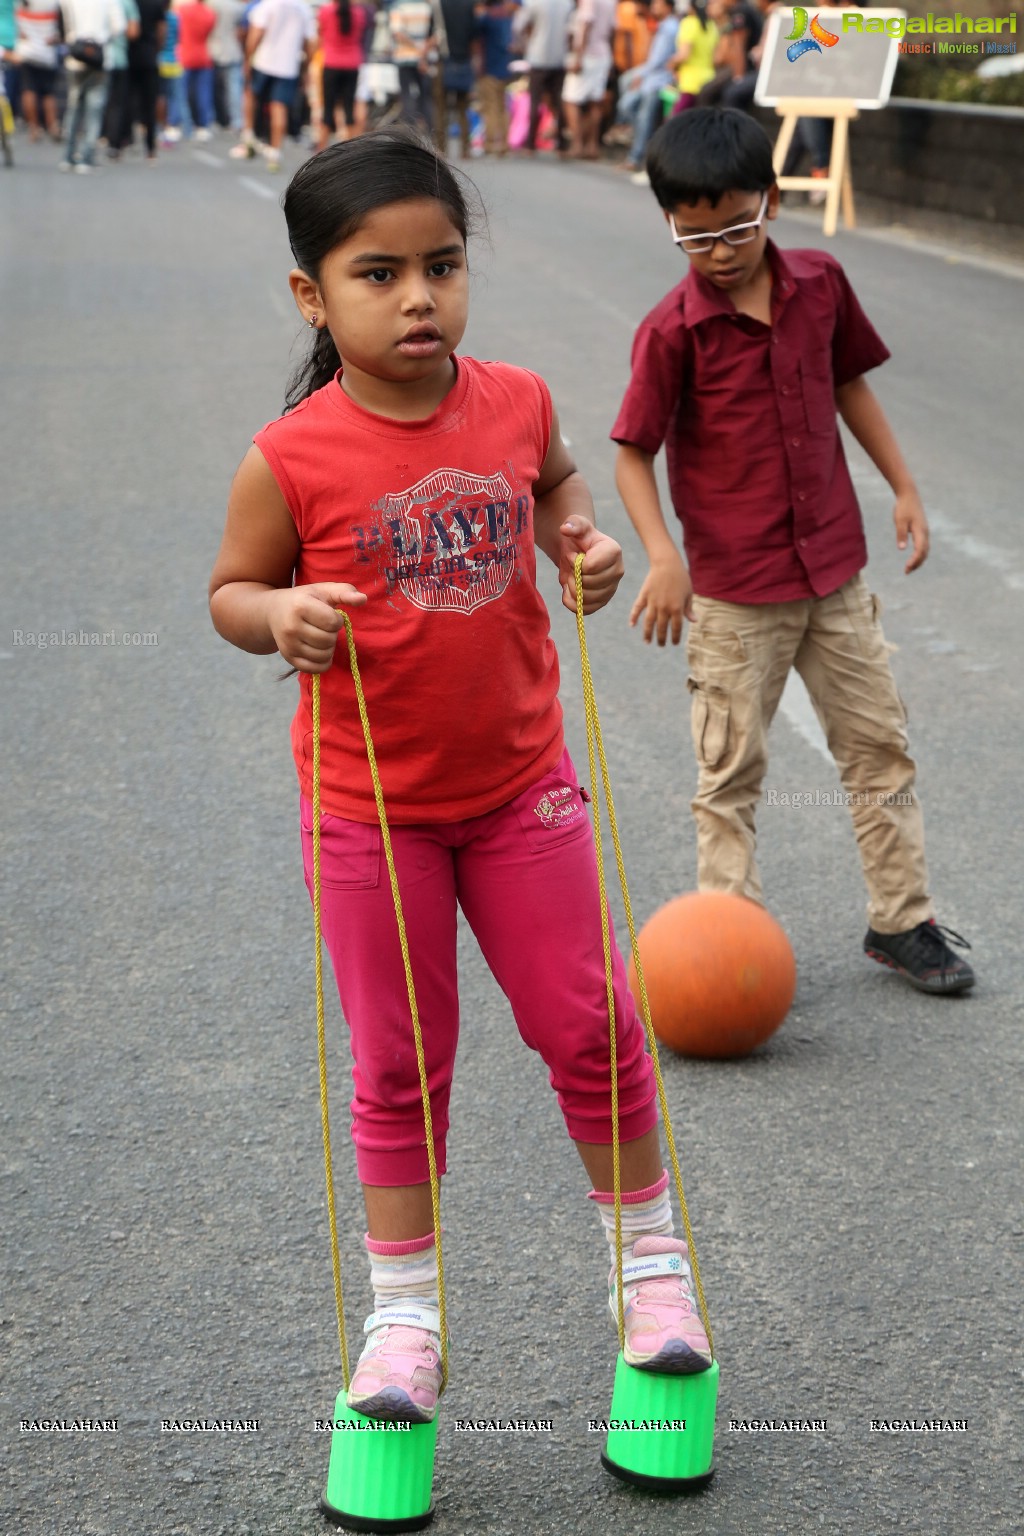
x,y
311,322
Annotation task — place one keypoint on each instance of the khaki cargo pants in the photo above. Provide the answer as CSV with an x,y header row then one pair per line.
x,y
740,655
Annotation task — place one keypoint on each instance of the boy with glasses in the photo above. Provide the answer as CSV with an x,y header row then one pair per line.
x,y
740,372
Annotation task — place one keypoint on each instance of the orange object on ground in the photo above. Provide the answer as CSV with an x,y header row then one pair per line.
x,y
719,972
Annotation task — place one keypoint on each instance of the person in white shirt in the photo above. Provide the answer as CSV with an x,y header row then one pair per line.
x,y
280,41
544,24
586,75
87,22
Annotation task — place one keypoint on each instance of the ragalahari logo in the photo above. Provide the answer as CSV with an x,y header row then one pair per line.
x,y
899,27
820,36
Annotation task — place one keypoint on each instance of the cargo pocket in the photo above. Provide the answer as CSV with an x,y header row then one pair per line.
x,y
709,721
865,612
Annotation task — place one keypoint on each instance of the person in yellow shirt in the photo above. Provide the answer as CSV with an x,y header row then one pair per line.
x,y
693,60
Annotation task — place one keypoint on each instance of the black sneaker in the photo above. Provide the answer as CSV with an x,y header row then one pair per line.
x,y
922,955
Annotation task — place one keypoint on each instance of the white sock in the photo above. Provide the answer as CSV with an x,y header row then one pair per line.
x,y
400,1277
645,1213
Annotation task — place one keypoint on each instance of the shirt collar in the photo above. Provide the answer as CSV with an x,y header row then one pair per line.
x,y
702,300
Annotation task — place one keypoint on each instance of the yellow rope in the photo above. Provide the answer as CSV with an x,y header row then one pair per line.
x,y
595,748
321,1041
435,1191
596,753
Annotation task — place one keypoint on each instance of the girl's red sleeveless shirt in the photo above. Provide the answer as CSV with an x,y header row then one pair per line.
x,y
433,520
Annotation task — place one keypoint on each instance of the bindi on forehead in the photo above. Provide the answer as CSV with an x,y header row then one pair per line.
x,y
385,258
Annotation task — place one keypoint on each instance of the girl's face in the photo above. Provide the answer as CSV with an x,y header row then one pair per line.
x,y
395,297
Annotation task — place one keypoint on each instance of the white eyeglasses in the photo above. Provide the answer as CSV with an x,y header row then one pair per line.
x,y
737,234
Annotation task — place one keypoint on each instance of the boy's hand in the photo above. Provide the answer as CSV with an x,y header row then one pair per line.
x,y
602,564
304,623
665,599
908,515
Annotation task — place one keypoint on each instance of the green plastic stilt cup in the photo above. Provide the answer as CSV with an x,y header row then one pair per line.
x,y
662,1429
380,1474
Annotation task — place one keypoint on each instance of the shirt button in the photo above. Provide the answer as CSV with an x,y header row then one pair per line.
x,y
803,542
796,442
802,496
785,389
775,341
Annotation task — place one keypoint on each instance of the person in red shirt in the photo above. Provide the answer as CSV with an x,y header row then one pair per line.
x,y
197,20
342,31
740,372
415,486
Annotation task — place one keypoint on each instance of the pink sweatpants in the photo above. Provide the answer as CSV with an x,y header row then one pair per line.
x,y
525,876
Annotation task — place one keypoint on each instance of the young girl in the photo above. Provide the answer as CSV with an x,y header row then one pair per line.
x,y
412,486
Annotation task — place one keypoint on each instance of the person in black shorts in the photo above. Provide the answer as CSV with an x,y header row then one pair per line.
x,y
340,96
35,54
343,31
39,91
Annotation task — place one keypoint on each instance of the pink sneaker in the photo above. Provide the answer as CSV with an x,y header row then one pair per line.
x,y
399,1371
664,1332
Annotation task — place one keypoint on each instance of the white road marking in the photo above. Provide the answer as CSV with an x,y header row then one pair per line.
x,y
259,187
1000,561
204,156
799,711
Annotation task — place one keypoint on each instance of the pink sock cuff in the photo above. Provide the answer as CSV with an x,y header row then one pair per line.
x,y
398,1250
633,1196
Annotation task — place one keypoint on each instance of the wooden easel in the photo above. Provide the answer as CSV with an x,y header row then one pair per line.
x,y
837,183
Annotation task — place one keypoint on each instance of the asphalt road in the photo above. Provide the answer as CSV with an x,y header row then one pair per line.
x,y
854,1186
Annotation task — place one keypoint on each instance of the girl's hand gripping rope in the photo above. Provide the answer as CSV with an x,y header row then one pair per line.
x,y
305,623
602,564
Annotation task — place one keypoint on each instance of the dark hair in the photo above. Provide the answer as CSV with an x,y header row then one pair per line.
x,y
335,191
702,154
345,16
699,8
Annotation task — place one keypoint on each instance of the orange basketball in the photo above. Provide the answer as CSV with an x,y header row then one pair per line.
x,y
719,971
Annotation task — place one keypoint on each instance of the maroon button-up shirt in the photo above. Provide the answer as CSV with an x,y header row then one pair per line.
x,y
747,414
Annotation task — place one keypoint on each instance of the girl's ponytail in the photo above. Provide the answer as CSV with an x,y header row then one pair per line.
x,y
316,370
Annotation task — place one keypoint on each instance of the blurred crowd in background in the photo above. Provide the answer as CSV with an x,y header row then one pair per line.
x,y
575,80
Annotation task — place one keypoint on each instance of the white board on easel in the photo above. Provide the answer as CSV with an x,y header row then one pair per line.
x,y
804,74
858,67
